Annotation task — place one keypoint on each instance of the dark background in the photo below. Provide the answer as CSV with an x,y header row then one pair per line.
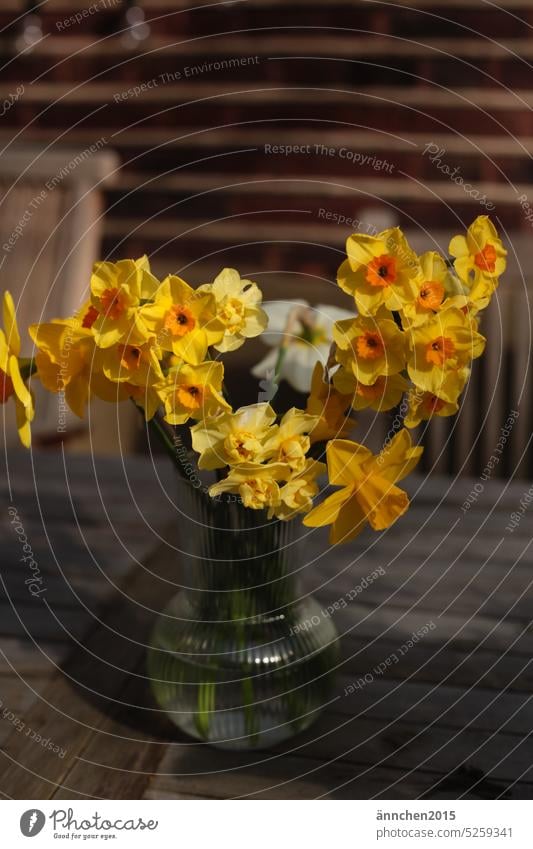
x,y
188,98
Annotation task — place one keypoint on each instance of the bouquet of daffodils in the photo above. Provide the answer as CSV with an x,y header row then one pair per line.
x,y
413,334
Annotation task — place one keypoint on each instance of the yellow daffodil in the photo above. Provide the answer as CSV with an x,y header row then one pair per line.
x,y
433,285
379,271
370,347
257,485
68,361
289,442
12,384
148,398
135,364
153,343
470,303
424,405
480,257
182,320
368,493
193,392
117,291
330,407
233,438
64,357
237,308
296,496
384,394
439,352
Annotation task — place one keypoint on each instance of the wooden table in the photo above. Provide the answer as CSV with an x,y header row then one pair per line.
x,y
451,718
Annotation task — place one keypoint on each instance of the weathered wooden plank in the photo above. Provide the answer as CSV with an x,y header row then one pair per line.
x,y
440,664
403,745
61,591
121,763
453,707
405,542
231,775
43,622
124,751
17,693
197,771
27,658
468,631
76,703
123,767
117,747
491,591
162,794
16,697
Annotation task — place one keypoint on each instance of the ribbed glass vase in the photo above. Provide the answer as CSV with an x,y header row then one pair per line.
x,y
240,657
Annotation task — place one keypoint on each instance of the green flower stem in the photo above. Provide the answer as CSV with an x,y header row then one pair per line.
x,y
251,719
206,706
279,362
168,438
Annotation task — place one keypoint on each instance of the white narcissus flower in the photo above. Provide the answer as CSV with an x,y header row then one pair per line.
x,y
306,344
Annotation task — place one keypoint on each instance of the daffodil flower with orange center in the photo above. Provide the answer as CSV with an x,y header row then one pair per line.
x,y
431,295
480,257
433,284
117,291
114,303
69,361
296,496
257,484
290,442
441,350
380,271
384,394
465,303
369,347
183,320
193,392
368,493
330,406
135,364
12,384
424,405
238,308
179,320
233,438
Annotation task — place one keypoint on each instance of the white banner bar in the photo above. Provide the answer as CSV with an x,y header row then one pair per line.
x,y
268,824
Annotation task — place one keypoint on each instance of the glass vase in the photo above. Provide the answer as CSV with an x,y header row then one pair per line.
x,y
240,657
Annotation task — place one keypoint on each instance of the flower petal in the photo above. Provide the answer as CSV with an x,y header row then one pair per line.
x,y
349,524
21,390
327,511
399,457
10,325
23,425
344,460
